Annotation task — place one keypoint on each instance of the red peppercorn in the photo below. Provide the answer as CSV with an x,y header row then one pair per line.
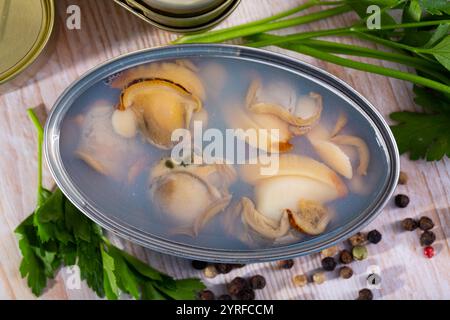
x,y
429,252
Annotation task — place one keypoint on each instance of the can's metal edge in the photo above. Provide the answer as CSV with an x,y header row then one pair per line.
x,y
164,27
39,46
190,252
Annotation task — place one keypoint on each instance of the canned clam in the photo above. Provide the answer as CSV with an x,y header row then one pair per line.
x,y
181,16
25,29
221,153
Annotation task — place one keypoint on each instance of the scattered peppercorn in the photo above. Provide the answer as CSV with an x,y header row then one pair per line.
x,y
328,264
403,178
374,236
206,295
300,280
199,265
236,285
427,238
223,268
358,239
225,297
329,252
428,252
365,294
286,264
257,282
426,224
319,277
360,252
246,294
409,224
401,200
210,271
346,272
346,257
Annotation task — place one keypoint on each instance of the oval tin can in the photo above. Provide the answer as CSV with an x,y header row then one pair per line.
x,y
126,228
25,30
178,24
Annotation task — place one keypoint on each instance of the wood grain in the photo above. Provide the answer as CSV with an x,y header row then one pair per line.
x,y
108,31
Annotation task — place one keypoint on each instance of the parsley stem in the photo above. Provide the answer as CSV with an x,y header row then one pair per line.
x,y
242,31
368,67
40,137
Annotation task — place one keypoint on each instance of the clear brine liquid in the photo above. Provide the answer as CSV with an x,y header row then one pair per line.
x,y
130,202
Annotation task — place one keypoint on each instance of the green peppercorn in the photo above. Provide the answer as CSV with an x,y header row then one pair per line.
x,y
403,178
246,294
409,224
358,239
365,294
374,236
206,295
427,238
328,264
257,282
360,252
345,257
401,200
286,264
346,272
426,224
169,164
236,285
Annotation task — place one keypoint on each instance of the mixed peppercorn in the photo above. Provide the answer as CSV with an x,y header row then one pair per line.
x,y
244,289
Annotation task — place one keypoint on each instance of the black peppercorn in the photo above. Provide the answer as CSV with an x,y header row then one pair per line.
x,y
365,294
346,257
246,294
346,272
257,282
401,200
328,264
223,268
374,236
426,224
286,264
199,265
236,285
206,295
409,224
225,297
427,238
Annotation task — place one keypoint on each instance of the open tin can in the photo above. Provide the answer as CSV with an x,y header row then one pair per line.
x,y
25,30
124,210
181,16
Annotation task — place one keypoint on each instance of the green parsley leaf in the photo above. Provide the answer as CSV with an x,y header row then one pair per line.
x,y
126,279
436,7
441,52
110,281
424,136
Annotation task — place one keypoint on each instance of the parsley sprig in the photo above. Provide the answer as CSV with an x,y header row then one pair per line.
x,y
57,234
419,40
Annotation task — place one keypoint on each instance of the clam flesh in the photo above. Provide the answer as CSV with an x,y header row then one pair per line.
x,y
191,194
275,106
290,196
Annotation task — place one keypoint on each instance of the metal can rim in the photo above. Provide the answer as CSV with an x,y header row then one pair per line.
x,y
38,46
54,161
168,28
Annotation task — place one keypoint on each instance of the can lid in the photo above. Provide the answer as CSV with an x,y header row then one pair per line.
x,y
25,27
183,7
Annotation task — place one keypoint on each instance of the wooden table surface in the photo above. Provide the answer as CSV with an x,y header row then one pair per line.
x,y
108,31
